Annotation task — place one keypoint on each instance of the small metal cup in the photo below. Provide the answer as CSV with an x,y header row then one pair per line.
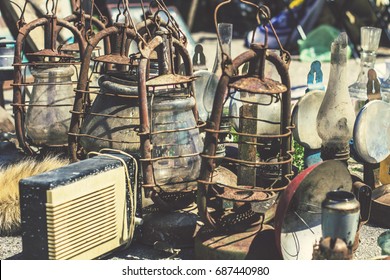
x,y
340,216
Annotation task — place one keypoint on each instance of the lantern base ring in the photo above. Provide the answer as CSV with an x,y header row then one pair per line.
x,y
335,152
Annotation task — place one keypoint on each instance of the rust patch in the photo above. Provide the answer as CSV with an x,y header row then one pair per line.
x,y
257,85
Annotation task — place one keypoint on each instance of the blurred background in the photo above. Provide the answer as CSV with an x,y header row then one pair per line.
x,y
292,19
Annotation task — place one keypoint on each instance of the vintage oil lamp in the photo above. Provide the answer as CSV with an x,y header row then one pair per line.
x,y
336,116
109,121
42,118
170,141
234,213
146,109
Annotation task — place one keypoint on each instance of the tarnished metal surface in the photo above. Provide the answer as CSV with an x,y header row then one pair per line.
x,y
340,213
143,83
49,53
248,195
169,79
176,229
257,85
113,58
81,97
253,245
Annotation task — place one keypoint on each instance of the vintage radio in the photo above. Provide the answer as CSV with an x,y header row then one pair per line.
x,y
80,211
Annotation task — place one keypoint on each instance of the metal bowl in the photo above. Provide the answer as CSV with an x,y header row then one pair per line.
x,y
298,214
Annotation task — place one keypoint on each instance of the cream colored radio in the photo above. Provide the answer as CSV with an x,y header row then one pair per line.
x,y
80,211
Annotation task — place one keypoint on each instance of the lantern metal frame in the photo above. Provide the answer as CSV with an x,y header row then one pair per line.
x,y
253,82
56,56
169,78
144,34
121,34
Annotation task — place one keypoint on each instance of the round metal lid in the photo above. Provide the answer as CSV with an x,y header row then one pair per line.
x,y
304,117
371,133
298,215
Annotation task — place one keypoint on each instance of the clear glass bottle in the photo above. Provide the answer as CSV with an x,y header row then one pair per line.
x,y
52,88
226,34
385,86
180,141
336,117
370,37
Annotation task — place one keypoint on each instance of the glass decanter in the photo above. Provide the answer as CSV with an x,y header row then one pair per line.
x,y
370,37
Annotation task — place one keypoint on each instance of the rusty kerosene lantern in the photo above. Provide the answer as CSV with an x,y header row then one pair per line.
x,y
170,140
42,119
263,164
111,120
146,112
108,121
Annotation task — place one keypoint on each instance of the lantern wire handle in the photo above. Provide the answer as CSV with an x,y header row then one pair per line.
x,y
144,14
21,22
53,9
175,25
226,59
89,32
264,16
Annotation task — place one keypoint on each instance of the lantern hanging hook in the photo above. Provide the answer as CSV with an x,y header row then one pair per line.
x,y
53,10
21,22
226,59
264,17
144,14
161,6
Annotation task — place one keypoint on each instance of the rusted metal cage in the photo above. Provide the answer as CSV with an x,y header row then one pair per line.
x,y
173,142
42,116
140,78
261,140
107,118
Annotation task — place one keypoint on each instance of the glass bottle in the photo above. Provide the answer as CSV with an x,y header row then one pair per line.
x,y
48,124
225,31
370,37
336,117
226,34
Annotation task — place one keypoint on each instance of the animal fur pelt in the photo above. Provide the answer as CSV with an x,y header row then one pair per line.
x,y
10,176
